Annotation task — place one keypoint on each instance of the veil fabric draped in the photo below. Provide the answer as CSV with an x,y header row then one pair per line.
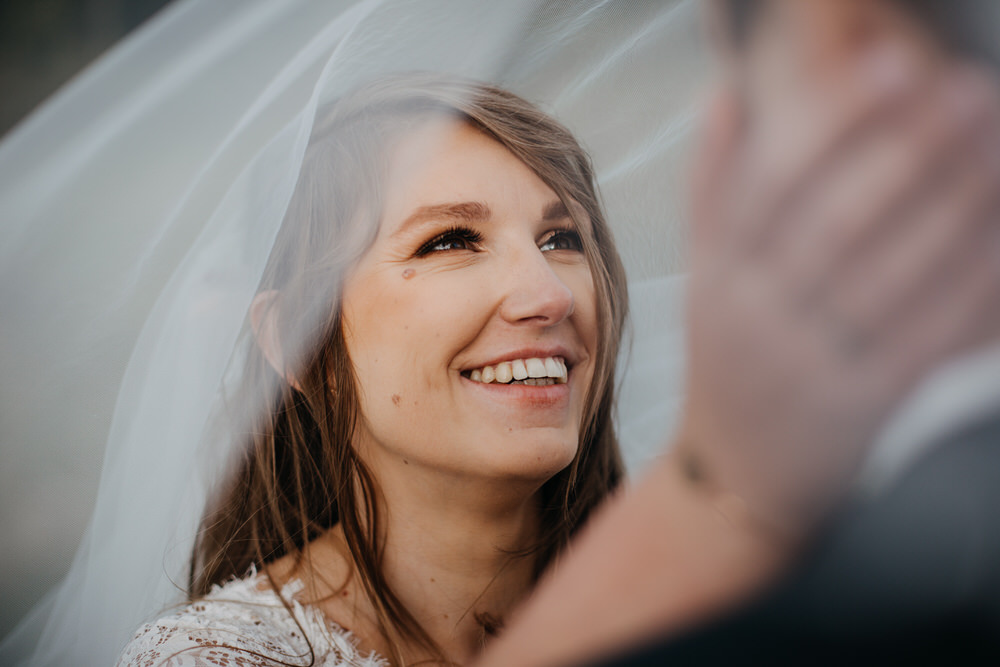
x,y
139,206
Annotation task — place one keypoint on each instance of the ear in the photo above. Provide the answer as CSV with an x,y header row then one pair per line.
x,y
264,313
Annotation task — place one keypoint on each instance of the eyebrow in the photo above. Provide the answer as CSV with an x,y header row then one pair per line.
x,y
471,212
555,211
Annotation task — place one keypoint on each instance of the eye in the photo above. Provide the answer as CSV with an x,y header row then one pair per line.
x,y
562,239
456,238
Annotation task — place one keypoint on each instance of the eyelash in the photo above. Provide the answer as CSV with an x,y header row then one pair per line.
x,y
470,239
571,236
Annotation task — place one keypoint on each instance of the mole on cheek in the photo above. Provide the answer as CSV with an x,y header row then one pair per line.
x,y
395,399
408,273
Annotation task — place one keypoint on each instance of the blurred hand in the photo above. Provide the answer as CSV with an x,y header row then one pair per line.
x,y
845,241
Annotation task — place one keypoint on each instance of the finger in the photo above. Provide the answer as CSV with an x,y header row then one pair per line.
x,y
719,137
933,239
959,311
793,140
854,203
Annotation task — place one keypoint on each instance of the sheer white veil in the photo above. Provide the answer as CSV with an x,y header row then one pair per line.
x,y
139,206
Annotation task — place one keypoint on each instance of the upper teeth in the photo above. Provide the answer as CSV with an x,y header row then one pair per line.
x,y
522,369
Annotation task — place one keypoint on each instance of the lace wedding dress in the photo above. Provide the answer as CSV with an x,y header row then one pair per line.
x,y
245,623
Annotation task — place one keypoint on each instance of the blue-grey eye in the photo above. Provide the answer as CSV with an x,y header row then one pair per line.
x,y
456,238
562,239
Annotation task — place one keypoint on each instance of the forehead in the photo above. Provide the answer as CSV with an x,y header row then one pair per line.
x,y
446,161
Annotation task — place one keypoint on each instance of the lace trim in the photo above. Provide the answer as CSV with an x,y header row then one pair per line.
x,y
242,625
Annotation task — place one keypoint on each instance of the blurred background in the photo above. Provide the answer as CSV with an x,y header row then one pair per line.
x,y
43,45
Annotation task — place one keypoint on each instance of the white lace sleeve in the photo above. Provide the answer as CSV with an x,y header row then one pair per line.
x,y
241,625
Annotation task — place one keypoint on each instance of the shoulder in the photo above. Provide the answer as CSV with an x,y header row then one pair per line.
x,y
244,624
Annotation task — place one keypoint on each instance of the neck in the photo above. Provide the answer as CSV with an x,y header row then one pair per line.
x,y
448,556
450,552
454,567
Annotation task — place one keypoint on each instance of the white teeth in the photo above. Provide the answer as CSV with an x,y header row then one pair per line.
x,y
504,372
537,382
534,371
535,368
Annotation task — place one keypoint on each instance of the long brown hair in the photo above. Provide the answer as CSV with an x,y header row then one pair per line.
x,y
299,474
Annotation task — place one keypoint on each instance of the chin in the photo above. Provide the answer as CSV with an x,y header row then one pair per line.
x,y
535,457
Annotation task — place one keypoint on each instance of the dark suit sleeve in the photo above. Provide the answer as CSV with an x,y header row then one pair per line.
x,y
912,577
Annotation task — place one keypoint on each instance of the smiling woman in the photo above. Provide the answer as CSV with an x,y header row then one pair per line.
x,y
514,288
441,384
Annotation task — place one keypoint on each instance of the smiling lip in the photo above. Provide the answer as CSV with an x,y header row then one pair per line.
x,y
523,395
547,396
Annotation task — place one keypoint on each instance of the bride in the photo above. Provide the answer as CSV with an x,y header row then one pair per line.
x,y
441,425
442,515
441,383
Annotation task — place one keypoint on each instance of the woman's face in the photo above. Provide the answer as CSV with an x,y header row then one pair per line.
x,y
477,274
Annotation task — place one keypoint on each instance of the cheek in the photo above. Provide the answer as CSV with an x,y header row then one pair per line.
x,y
401,339
586,322
585,318
373,328
378,337
402,331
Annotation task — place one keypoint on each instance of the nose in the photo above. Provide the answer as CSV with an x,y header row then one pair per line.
x,y
534,292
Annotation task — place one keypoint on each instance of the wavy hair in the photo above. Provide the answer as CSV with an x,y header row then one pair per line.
x,y
299,474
